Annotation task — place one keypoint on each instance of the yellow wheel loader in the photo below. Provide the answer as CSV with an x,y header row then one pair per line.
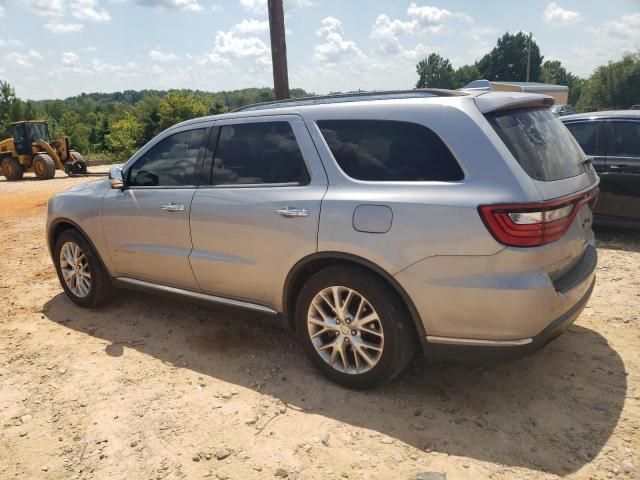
x,y
29,150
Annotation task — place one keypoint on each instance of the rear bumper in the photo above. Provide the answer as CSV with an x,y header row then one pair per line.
x,y
496,301
461,350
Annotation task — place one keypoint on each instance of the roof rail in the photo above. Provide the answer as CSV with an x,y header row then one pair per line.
x,y
351,97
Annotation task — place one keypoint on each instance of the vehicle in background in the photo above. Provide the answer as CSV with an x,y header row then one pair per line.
x,y
612,141
635,107
562,110
369,224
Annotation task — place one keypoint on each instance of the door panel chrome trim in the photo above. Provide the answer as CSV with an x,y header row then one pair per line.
x,y
478,342
132,282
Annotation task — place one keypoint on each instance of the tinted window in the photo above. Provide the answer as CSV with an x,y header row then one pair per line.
x,y
586,133
258,153
386,151
540,143
171,162
625,139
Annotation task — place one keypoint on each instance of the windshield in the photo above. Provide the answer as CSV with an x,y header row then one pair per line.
x,y
543,147
39,131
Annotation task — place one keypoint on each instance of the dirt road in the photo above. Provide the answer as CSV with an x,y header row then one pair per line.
x,y
150,388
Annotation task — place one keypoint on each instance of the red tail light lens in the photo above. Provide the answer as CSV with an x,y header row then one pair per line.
x,y
534,224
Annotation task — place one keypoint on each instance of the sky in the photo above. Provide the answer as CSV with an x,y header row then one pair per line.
x,y
61,48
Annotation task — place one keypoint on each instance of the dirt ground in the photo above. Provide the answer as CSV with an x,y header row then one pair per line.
x,y
151,388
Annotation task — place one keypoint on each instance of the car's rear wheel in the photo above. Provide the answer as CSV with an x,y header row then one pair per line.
x,y
80,271
353,327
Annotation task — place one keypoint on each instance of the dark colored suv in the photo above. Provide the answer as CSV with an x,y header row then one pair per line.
x,y
612,140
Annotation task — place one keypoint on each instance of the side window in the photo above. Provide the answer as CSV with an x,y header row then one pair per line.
x,y
171,162
377,150
258,153
625,139
586,133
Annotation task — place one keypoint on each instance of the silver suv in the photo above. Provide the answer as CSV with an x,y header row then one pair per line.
x,y
372,225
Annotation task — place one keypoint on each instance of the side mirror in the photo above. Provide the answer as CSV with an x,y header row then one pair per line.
x,y
117,180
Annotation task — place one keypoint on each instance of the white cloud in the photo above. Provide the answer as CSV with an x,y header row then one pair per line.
x,y
556,15
36,55
97,67
2,11
330,25
46,8
11,41
69,58
226,43
626,28
64,27
210,58
251,27
421,20
158,56
335,47
19,60
192,5
88,10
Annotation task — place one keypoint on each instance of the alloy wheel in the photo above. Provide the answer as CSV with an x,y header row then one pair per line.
x,y
345,330
75,269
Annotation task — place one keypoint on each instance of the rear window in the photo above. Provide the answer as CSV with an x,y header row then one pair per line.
x,y
377,150
543,147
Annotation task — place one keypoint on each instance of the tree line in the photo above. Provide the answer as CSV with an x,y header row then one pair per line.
x,y
615,85
117,124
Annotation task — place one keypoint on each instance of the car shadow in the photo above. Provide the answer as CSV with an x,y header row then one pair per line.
x,y
611,238
551,411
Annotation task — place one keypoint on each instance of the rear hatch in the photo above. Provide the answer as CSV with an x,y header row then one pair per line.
x,y
560,221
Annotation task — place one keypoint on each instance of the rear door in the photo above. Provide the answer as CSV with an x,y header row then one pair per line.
x,y
259,213
623,169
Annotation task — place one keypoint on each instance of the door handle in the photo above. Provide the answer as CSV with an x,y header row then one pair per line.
x,y
172,207
293,212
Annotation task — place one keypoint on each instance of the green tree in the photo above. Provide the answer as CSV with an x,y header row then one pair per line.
x,y
612,86
124,138
435,72
7,101
465,75
553,72
178,106
508,59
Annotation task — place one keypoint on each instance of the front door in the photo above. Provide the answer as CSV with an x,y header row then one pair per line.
x,y
623,170
146,225
260,213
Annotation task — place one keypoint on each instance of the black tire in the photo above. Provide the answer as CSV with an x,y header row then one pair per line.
x,y
399,335
101,290
11,169
43,166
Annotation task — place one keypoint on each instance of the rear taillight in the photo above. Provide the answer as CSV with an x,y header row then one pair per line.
x,y
534,224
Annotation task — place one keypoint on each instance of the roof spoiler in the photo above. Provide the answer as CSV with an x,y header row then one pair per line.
x,y
498,101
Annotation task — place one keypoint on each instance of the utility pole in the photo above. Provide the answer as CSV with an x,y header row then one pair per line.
x,y
278,49
529,56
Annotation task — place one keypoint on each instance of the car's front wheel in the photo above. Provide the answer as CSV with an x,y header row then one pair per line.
x,y
353,327
80,271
